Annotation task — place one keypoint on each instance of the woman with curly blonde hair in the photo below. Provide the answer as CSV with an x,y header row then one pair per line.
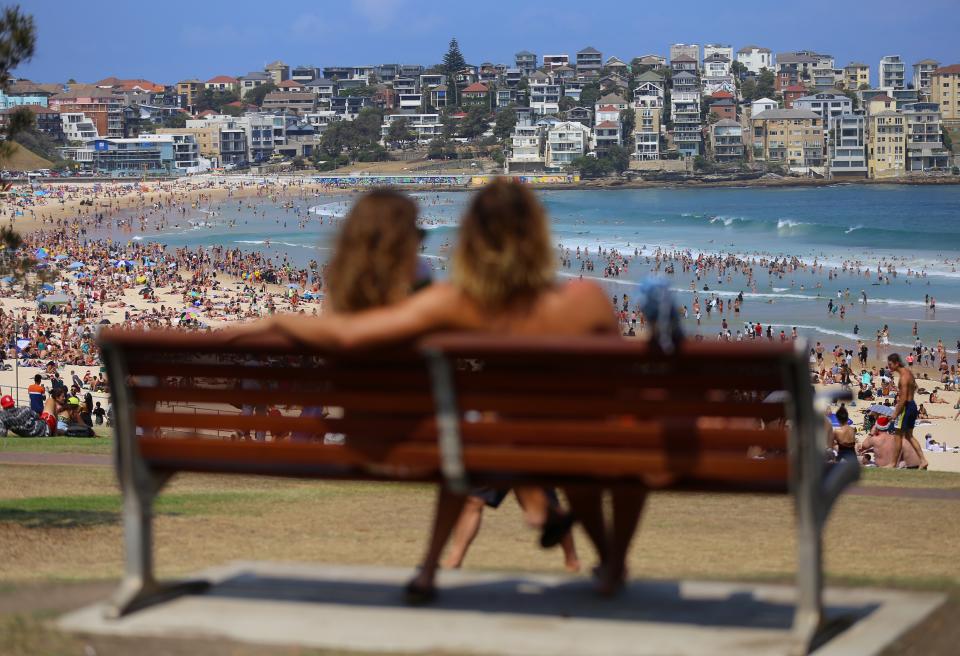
x,y
503,281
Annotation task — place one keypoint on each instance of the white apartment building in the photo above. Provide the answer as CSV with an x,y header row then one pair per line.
x,y
922,74
544,94
526,144
762,105
828,105
78,128
755,58
426,126
186,151
848,146
892,73
566,141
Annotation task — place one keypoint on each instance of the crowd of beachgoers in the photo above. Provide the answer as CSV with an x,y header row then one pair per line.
x,y
96,280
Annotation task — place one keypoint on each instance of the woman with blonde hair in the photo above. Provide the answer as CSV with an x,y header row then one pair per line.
x,y
503,280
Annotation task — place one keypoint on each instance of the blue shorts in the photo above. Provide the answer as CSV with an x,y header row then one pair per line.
x,y
907,418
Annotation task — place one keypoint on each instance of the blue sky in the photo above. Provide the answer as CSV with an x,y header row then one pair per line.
x,y
177,39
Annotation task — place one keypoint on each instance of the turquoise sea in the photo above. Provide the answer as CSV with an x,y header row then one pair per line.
x,y
914,228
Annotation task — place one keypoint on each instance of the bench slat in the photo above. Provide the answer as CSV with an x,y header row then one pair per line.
x,y
423,460
597,434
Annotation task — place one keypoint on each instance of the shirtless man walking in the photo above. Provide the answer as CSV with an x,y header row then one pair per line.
x,y
905,412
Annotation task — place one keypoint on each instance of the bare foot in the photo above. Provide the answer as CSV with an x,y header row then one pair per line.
x,y
572,565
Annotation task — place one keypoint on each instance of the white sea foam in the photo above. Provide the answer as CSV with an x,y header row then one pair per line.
x,y
786,224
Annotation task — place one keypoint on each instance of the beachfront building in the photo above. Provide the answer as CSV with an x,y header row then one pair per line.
x,y
222,83
544,94
551,62
762,105
566,141
99,105
205,133
526,144
426,127
77,128
150,154
684,64
606,134
827,105
646,131
755,58
525,61
726,141
924,136
278,71
690,50
723,108
891,73
9,99
856,76
945,91
887,145
880,103
284,101
188,91
922,76
478,95
792,138
797,67
45,120
848,146
715,64
323,89
687,130
589,60
252,80
305,73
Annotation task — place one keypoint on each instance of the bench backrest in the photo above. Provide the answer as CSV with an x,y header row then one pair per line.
x,y
493,407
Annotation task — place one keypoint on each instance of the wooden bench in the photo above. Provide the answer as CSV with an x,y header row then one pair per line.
x,y
467,410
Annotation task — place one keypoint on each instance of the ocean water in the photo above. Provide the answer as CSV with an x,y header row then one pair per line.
x,y
912,227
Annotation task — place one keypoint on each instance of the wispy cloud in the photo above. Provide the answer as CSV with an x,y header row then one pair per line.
x,y
308,25
379,14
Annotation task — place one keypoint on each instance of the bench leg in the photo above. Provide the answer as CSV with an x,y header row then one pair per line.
x,y
139,588
808,617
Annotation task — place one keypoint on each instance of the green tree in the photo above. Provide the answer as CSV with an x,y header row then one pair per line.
x,y
618,157
628,121
177,120
765,84
400,133
368,124
453,63
214,100
590,94
748,90
592,167
506,121
365,90
567,103
738,69
474,123
255,95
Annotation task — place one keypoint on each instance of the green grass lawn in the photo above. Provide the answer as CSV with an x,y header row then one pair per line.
x,y
103,443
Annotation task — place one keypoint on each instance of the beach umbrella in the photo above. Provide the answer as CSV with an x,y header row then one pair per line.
x,y
880,409
194,294
7,279
293,286
60,257
75,265
41,253
47,287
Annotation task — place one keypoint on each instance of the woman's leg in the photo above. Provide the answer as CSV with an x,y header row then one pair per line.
x,y
586,504
468,525
449,506
628,502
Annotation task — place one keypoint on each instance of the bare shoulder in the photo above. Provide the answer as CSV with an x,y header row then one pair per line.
x,y
583,290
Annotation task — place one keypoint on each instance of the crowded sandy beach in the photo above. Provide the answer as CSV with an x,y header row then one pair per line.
x,y
94,241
